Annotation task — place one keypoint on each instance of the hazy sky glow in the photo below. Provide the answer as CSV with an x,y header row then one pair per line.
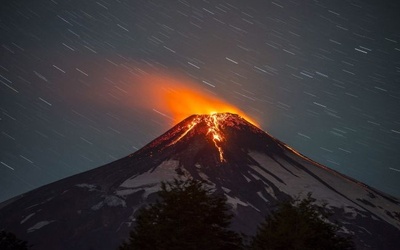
x,y
175,97
83,83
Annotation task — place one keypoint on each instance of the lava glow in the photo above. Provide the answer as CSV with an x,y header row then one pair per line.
x,y
214,124
189,128
178,98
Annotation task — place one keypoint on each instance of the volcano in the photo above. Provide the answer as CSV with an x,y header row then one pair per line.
x,y
96,209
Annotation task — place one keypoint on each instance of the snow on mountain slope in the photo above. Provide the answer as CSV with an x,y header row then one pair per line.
x,y
96,209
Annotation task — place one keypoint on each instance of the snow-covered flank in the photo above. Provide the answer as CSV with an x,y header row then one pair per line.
x,y
150,181
247,179
302,180
358,192
111,201
27,218
125,192
39,225
262,196
324,185
235,201
88,186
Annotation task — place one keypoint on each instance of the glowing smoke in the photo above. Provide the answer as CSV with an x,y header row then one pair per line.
x,y
178,98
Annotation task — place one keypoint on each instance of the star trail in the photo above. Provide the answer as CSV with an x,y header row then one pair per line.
x,y
321,76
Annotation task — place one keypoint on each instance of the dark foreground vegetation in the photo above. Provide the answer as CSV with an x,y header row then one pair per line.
x,y
191,216
8,241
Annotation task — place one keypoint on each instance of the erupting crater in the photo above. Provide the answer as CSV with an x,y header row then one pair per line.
x,y
213,125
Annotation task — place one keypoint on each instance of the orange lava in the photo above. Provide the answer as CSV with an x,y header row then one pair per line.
x,y
189,127
214,123
215,131
177,98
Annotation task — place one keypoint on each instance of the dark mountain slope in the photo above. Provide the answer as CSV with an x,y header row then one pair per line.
x,y
96,209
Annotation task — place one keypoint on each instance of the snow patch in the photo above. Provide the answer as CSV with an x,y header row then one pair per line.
x,y
259,193
271,192
363,228
111,201
150,181
88,186
39,225
125,192
234,201
247,179
27,218
349,211
344,229
164,172
203,176
255,176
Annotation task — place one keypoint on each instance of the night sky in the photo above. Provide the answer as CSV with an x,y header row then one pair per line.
x,y
322,76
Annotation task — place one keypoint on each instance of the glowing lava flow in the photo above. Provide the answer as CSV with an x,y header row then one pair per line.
x,y
213,129
214,124
190,127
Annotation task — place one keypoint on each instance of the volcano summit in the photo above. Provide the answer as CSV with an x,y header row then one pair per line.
x,y
96,209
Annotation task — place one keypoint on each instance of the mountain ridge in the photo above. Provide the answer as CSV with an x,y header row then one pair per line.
x,y
256,171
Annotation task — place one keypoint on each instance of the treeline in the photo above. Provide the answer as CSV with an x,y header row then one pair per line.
x,y
190,216
8,241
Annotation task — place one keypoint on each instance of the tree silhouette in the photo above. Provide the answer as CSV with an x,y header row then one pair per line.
x,y
8,241
189,216
299,225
